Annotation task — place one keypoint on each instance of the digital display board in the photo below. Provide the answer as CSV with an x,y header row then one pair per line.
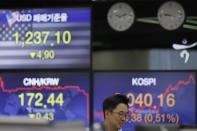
x,y
45,38
54,96
155,97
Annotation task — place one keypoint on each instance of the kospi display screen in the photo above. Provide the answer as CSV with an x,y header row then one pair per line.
x,y
155,97
45,38
54,96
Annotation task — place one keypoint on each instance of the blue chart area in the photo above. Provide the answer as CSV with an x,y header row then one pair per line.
x,y
155,97
66,101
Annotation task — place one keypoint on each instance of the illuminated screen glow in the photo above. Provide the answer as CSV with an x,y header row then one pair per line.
x,y
54,96
155,97
45,38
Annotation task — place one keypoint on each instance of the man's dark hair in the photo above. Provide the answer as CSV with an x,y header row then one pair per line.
x,y
111,102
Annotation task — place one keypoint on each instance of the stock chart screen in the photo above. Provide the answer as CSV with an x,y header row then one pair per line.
x,y
45,38
54,96
154,97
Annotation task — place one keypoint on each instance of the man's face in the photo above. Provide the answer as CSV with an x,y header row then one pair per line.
x,y
117,117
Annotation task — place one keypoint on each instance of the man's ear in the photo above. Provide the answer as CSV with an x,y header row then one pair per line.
x,y
107,113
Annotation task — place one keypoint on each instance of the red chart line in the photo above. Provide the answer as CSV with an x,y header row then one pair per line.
x,y
55,88
170,88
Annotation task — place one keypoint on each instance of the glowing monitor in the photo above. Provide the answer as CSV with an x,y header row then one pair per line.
x,y
45,38
155,97
53,96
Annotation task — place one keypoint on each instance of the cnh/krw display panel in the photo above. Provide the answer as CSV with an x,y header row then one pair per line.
x,y
155,97
54,96
45,38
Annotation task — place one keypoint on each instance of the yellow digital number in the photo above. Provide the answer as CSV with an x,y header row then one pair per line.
x,y
59,100
57,34
29,36
46,54
38,115
51,99
66,37
46,35
21,96
39,54
31,96
39,98
49,54
49,116
46,116
38,38
16,37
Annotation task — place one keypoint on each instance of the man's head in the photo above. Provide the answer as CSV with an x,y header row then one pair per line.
x,y
115,109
